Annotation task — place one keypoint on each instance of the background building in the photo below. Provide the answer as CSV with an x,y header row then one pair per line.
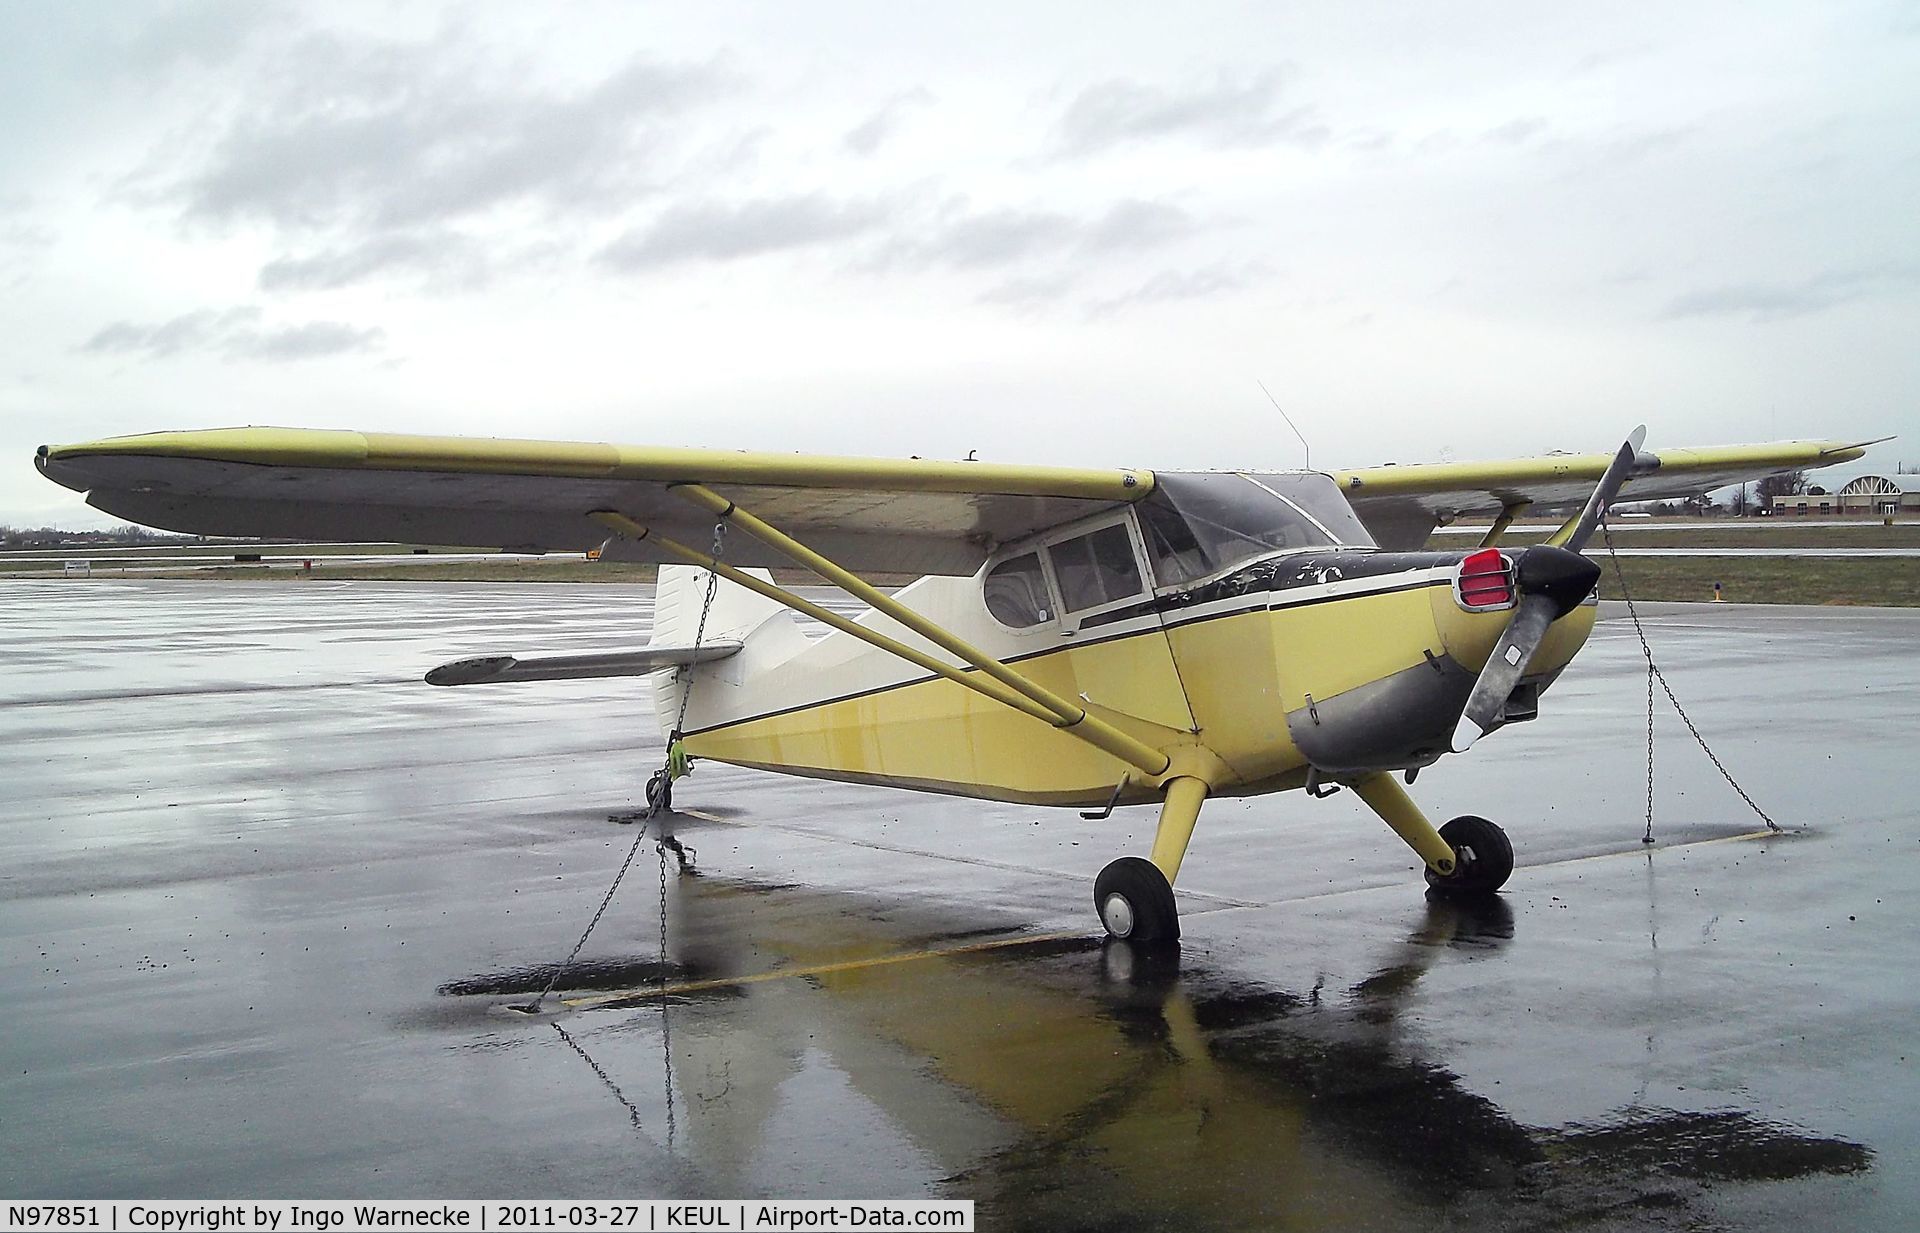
x,y
1869,494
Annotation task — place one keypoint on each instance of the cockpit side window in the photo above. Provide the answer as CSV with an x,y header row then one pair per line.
x,y
1016,592
1096,568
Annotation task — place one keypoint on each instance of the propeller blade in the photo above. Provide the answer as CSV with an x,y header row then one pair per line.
x,y
1575,534
1552,583
1487,705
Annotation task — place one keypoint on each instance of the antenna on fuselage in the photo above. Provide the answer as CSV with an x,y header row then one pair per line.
x,y
1290,424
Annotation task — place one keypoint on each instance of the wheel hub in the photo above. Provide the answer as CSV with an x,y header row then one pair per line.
x,y
1117,915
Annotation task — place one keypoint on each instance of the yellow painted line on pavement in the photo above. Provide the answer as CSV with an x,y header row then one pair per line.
x,y
1654,849
817,969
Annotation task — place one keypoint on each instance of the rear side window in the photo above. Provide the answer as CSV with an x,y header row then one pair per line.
x,y
1017,592
1096,568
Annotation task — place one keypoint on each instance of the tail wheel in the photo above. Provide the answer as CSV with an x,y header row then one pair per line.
x,y
659,793
1135,902
1482,854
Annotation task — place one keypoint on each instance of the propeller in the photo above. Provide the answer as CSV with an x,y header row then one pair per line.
x,y
1552,579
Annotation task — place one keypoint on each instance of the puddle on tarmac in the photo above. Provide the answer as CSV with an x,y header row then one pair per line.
x,y
1072,1083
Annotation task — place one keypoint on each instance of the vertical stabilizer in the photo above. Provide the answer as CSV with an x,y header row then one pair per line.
x,y
766,628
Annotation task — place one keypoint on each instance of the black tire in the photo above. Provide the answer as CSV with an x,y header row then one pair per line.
x,y
659,793
1135,902
1482,854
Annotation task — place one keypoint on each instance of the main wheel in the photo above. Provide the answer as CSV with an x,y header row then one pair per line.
x,y
1135,902
1482,855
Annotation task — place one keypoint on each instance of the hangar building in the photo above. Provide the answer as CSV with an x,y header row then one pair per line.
x,y
1869,494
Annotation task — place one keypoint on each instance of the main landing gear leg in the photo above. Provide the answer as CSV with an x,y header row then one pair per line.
x,y
1135,897
1467,856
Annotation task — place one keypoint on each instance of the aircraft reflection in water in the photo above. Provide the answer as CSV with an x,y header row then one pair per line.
x,y
1064,1085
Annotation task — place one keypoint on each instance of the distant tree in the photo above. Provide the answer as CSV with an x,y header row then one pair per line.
x,y
1785,484
52,537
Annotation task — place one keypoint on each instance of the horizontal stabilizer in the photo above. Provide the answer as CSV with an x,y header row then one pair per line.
x,y
496,669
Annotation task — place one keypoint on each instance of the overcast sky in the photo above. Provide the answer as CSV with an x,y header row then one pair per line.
x,y
1072,233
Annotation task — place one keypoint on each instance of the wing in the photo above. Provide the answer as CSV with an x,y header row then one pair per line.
x,y
914,516
1402,505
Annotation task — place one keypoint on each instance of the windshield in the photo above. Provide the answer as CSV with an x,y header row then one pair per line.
x,y
1199,524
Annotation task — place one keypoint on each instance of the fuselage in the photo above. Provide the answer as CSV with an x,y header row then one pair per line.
x,y
1337,658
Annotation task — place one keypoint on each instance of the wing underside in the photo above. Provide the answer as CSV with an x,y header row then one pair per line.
x,y
913,516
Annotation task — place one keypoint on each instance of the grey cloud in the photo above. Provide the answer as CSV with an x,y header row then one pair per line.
x,y
206,33
27,235
188,331
442,259
1028,294
738,154
377,158
997,237
1140,224
1763,302
1174,285
25,238
395,136
717,232
1224,112
1001,237
310,340
1594,61
867,136
1517,132
893,233
24,246
234,333
1628,148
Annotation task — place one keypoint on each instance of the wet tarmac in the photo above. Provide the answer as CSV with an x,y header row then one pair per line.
x,y
264,897
137,561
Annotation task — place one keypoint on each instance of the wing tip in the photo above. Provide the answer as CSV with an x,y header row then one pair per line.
x,y
1850,450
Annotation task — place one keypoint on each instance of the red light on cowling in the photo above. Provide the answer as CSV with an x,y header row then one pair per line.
x,y
1485,581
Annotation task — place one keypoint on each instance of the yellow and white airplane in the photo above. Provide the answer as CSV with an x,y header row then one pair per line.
x,y
1080,637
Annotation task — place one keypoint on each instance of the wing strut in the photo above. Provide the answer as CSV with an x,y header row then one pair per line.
x,y
1508,512
992,679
